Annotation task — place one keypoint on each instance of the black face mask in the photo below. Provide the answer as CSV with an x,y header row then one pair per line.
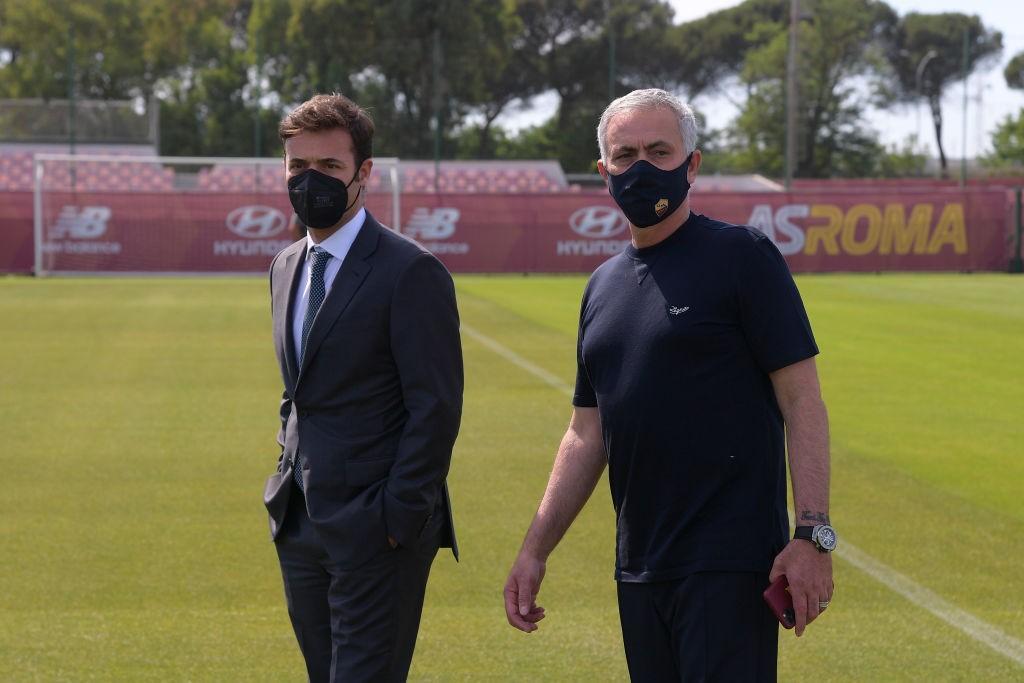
x,y
646,194
318,199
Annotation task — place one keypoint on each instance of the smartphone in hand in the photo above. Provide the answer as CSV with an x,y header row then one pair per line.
x,y
781,602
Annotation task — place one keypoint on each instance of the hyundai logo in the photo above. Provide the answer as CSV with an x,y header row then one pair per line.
x,y
256,222
597,222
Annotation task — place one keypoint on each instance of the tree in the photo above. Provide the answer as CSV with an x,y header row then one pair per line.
x,y
1008,143
410,62
533,142
840,48
211,96
573,39
107,38
712,50
468,62
513,77
189,55
306,47
1008,139
1014,72
906,160
927,57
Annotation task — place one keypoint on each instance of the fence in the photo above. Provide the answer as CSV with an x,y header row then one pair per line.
x,y
220,217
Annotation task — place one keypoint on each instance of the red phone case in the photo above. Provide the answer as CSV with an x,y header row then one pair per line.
x,y
781,602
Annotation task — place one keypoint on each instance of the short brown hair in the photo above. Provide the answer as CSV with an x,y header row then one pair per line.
x,y
328,112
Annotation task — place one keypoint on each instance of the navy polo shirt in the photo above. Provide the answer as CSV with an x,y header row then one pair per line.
x,y
676,342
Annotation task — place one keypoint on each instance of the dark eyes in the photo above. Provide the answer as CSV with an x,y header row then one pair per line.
x,y
626,155
300,164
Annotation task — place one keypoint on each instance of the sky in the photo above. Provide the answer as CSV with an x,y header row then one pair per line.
x,y
989,100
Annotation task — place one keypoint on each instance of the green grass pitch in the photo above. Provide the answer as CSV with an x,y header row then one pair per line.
x,y
138,421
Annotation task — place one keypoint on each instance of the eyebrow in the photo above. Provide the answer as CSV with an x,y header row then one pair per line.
x,y
325,160
649,146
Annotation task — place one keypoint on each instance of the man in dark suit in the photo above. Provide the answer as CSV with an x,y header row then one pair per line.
x,y
367,336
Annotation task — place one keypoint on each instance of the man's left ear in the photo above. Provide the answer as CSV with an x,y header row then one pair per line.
x,y
691,170
365,169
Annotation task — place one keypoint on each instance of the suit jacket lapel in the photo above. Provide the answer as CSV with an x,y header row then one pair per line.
x,y
354,269
284,300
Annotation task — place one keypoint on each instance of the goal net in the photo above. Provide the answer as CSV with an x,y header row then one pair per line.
x,y
104,214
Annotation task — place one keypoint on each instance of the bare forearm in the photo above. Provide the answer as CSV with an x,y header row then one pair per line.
x,y
808,445
799,397
578,466
808,571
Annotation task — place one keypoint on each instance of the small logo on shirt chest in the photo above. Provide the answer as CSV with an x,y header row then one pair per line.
x,y
678,310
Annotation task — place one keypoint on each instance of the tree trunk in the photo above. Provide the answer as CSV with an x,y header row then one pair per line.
x,y
807,167
483,147
484,150
936,107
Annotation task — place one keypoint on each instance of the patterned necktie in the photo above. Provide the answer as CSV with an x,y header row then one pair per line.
x,y
317,294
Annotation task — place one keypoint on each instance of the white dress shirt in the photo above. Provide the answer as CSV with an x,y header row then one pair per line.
x,y
338,245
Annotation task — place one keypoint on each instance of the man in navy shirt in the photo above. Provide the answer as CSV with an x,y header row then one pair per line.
x,y
695,370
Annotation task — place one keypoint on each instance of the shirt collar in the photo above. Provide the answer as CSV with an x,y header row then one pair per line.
x,y
340,241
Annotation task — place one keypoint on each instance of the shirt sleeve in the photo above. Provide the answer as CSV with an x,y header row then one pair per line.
x,y
771,311
583,396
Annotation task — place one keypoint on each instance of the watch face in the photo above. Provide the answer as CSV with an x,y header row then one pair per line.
x,y
826,537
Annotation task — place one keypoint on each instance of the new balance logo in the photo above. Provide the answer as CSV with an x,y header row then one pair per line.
x,y
86,224
676,310
436,224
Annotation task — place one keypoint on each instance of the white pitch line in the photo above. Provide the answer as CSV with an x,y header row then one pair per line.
x,y
514,358
981,631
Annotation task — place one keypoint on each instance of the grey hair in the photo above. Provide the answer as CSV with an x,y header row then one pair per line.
x,y
651,98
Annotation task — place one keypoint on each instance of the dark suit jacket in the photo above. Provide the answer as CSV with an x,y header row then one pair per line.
x,y
375,408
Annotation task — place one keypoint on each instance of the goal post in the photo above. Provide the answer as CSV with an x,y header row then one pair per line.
x,y
121,214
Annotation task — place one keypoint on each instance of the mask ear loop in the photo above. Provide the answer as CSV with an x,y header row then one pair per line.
x,y
349,184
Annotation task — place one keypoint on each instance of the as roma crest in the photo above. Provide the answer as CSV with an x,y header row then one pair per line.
x,y
661,207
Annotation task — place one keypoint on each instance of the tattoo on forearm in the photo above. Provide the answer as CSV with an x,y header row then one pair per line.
x,y
819,517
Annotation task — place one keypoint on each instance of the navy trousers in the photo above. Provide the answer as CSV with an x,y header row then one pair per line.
x,y
353,625
709,626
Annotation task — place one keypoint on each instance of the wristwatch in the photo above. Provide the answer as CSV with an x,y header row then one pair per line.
x,y
822,536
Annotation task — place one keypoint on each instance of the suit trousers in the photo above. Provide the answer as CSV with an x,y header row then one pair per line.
x,y
708,626
357,624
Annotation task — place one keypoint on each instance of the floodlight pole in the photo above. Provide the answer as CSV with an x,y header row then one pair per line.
x,y
257,133
1017,262
436,60
71,97
611,49
71,87
963,72
791,93
37,215
154,121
